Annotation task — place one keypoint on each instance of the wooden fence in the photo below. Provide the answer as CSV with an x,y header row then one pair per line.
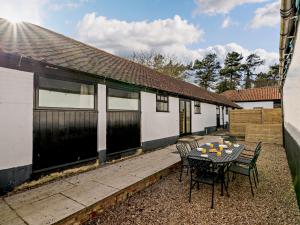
x,y
256,124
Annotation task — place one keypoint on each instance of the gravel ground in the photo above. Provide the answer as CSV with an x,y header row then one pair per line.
x,y
166,202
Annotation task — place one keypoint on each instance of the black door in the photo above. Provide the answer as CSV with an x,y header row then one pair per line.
x,y
64,123
63,137
185,116
218,117
123,121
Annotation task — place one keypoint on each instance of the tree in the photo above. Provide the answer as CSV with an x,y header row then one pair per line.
x,y
207,70
231,73
165,64
271,78
252,62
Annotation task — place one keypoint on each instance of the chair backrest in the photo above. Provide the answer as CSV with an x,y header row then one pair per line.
x,y
199,164
182,149
258,146
255,157
232,139
193,144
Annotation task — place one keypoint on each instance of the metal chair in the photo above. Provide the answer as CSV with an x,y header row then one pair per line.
x,y
202,170
245,158
183,152
232,139
193,144
246,169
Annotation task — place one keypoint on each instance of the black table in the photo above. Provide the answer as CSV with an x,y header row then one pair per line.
x,y
224,158
221,161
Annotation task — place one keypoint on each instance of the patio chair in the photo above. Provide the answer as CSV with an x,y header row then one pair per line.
x,y
193,144
246,169
202,170
245,159
183,152
230,138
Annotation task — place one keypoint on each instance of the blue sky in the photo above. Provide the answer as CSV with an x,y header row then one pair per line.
x,y
186,29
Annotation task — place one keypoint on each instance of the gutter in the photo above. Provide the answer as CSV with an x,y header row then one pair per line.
x,y
289,12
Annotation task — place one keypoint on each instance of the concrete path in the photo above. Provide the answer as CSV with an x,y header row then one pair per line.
x,y
58,200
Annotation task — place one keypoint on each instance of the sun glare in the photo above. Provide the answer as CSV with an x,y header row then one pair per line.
x,y
14,20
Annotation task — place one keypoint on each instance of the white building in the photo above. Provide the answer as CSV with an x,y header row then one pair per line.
x,y
289,52
254,98
63,102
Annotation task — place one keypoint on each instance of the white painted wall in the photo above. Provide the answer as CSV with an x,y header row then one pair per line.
x,y
101,117
291,95
16,118
251,105
157,125
207,118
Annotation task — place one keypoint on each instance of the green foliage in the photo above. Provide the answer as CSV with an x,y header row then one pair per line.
x,y
271,78
231,73
164,64
252,62
207,71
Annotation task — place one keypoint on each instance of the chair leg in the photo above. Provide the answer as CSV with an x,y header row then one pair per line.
x,y
190,196
254,178
226,187
251,185
256,172
212,195
181,172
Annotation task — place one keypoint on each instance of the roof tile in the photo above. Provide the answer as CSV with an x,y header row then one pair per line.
x,y
41,44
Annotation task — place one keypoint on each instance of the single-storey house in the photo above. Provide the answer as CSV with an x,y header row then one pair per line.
x,y
63,102
254,98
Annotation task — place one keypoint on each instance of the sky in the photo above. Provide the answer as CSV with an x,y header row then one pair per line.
x,y
184,29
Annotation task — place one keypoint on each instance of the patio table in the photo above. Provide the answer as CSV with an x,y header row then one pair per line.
x,y
224,158
221,161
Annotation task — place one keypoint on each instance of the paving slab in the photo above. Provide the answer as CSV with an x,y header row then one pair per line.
x,y
89,193
57,200
49,210
36,194
9,216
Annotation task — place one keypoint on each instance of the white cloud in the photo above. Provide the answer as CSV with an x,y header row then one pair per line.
x,y
213,7
222,50
20,10
267,16
64,5
170,35
228,22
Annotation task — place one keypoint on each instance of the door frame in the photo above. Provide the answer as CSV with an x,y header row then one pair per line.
x,y
185,100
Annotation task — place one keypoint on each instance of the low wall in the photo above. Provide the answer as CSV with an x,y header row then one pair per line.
x,y
241,118
267,133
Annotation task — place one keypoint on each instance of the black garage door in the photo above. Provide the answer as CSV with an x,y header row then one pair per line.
x,y
64,123
123,121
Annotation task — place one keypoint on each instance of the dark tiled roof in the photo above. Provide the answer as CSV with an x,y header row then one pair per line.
x,y
44,45
254,94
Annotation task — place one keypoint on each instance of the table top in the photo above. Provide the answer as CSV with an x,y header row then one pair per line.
x,y
223,158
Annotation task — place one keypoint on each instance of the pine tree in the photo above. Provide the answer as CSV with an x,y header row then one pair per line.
x,y
231,73
207,71
252,62
271,78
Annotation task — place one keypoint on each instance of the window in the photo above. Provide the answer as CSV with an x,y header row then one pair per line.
x,y
162,103
54,93
197,107
122,100
226,110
